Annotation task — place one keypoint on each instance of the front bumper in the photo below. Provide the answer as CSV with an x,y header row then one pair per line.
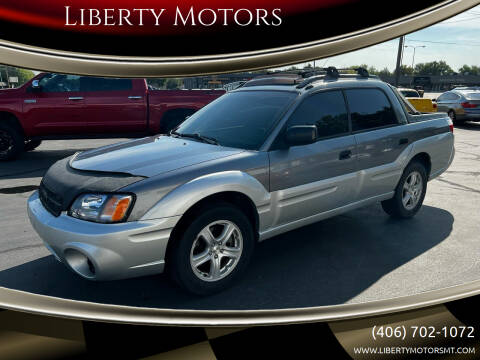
x,y
103,251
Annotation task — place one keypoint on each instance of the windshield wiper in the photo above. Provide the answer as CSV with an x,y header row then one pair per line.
x,y
197,136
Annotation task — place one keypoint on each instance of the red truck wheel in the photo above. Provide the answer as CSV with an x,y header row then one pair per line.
x,y
11,142
32,145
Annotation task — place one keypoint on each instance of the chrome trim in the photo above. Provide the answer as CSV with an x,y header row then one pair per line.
x,y
135,97
53,306
75,98
29,101
33,57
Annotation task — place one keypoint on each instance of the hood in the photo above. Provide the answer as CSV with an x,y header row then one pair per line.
x,y
149,156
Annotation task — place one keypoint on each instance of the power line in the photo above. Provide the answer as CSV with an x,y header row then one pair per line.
x,y
444,42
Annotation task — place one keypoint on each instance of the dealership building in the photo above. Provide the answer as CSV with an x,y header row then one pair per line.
x,y
434,83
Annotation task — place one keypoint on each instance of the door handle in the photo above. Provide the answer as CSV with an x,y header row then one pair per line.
x,y
345,154
75,98
135,97
403,141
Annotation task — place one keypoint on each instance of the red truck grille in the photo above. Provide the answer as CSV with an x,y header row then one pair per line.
x,y
51,201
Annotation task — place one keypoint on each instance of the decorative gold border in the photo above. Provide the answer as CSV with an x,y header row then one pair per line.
x,y
60,307
70,62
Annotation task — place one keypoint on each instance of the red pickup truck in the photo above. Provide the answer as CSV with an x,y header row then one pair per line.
x,y
61,106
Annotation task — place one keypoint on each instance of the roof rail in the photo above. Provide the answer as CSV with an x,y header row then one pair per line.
x,y
304,78
333,72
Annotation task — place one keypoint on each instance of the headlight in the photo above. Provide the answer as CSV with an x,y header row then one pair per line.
x,y
103,208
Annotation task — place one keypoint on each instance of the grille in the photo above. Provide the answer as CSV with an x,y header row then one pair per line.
x,y
51,201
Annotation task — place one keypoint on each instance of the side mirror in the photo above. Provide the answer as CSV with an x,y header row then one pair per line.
x,y
36,85
434,99
301,135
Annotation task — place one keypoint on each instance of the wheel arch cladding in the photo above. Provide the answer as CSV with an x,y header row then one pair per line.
x,y
237,199
235,187
424,159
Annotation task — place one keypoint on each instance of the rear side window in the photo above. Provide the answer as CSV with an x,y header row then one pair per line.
x,y
88,83
442,97
448,97
326,110
369,109
473,96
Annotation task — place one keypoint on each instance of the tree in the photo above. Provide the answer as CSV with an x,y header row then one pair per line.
x,y
469,70
157,83
172,83
433,68
23,74
405,70
384,73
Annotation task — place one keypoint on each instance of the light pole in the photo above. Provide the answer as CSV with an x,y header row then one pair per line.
x,y
414,48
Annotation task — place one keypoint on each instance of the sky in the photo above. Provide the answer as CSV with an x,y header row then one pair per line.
x,y
455,40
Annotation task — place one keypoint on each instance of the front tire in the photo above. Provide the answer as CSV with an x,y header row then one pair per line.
x,y
409,193
11,141
32,145
213,250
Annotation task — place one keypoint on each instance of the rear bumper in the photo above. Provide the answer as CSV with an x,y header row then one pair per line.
x,y
469,116
103,251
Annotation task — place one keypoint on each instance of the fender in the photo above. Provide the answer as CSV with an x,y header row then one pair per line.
x,y
179,200
441,150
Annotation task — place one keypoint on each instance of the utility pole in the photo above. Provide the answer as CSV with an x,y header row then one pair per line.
x,y
399,60
414,48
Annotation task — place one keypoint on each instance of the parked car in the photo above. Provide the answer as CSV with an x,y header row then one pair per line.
x,y
59,106
272,156
420,103
462,104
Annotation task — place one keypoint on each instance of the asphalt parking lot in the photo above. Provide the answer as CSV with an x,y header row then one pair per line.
x,y
359,256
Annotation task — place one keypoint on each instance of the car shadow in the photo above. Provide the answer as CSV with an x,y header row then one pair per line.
x,y
326,263
34,163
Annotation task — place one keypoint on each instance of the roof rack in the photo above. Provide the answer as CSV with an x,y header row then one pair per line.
x,y
334,73
304,78
274,79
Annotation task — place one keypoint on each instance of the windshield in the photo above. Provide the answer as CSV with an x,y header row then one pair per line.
x,y
410,93
239,119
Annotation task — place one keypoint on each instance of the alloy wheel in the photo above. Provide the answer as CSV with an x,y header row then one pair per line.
x,y
216,250
412,190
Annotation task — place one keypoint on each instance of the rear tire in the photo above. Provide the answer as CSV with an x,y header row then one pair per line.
x,y
11,141
32,145
409,193
453,117
206,266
